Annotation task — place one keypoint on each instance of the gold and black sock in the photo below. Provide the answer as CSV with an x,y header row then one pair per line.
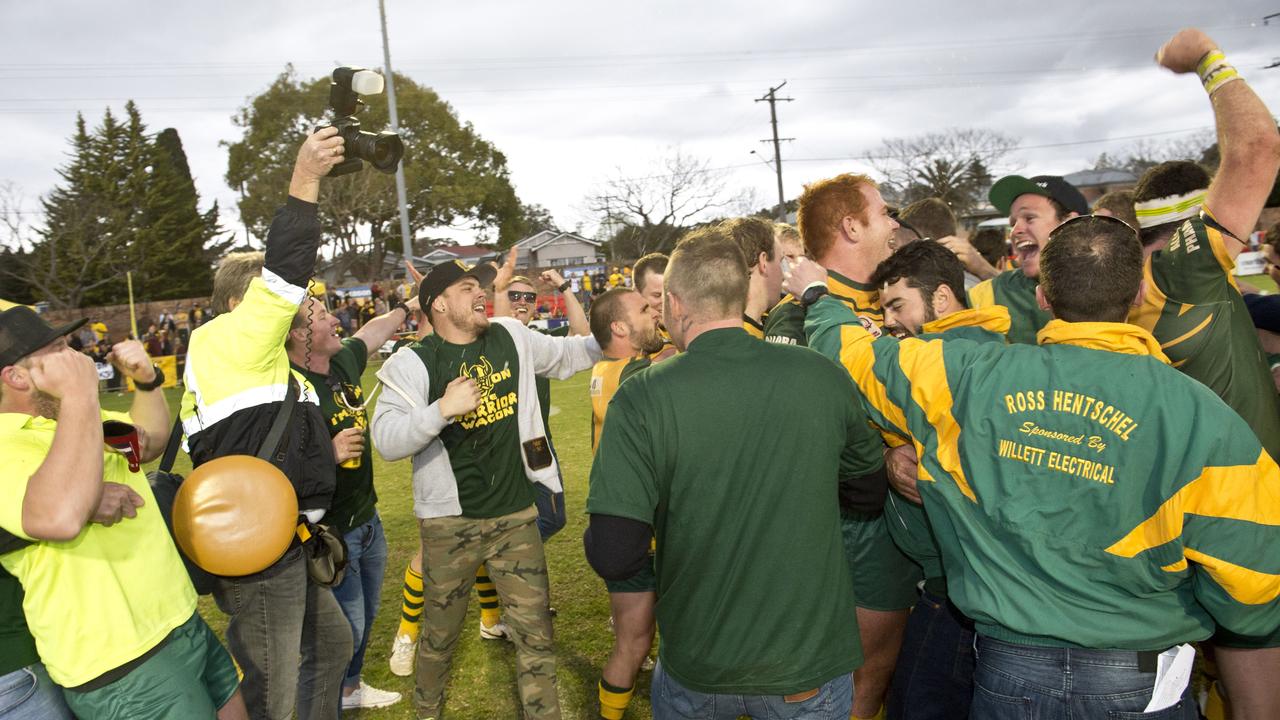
x,y
614,700
490,614
411,604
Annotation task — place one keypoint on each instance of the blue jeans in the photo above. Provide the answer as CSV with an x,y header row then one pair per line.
x,y
1022,681
551,515
672,701
278,615
934,676
29,694
361,588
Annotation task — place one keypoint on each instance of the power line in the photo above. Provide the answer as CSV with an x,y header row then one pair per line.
x,y
602,60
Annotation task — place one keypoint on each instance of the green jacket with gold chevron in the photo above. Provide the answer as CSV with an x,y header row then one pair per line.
x,y
1083,492
907,523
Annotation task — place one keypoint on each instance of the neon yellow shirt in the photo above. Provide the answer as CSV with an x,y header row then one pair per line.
x,y
96,602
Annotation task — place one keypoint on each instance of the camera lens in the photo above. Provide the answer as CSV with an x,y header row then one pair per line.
x,y
382,150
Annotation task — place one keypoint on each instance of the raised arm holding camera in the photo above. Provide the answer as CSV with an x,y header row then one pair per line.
x,y
237,380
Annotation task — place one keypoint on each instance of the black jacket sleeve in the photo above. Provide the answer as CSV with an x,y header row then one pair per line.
x,y
292,242
617,547
864,494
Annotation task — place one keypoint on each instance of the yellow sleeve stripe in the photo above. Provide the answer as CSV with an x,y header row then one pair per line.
x,y
1249,493
982,295
1245,586
1237,492
922,363
859,359
1178,566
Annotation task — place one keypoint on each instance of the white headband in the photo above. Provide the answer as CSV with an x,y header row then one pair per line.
x,y
1169,209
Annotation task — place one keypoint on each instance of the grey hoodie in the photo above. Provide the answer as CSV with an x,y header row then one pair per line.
x,y
405,423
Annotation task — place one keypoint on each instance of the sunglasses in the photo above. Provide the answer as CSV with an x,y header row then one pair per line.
x,y
517,296
1093,220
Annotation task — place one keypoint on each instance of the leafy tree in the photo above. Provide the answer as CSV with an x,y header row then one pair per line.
x,y
453,176
953,164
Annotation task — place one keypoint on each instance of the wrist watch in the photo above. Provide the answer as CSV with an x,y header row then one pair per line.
x,y
812,294
155,382
565,286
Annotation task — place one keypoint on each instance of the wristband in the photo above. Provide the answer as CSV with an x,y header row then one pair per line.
x,y
565,286
156,382
1215,71
812,294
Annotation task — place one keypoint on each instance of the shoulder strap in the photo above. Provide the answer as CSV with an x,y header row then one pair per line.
x,y
281,422
171,450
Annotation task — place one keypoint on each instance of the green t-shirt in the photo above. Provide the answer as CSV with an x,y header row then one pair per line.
x,y
17,647
1015,291
544,385
342,403
483,445
732,451
1194,310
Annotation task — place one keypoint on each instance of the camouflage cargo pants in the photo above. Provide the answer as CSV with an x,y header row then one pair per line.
x,y
452,550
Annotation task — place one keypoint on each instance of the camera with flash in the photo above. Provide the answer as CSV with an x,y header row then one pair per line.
x,y
382,150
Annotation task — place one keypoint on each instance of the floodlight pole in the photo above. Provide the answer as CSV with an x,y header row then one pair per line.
x,y
401,194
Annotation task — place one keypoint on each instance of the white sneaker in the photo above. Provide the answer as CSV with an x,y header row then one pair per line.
x,y
365,696
402,651
497,632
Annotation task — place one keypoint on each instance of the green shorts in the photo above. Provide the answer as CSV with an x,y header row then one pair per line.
x,y
644,581
883,578
190,677
1226,638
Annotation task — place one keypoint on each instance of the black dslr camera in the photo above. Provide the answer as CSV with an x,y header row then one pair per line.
x,y
383,150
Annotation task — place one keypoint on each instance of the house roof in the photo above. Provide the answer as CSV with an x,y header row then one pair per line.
x,y
536,242
464,251
1098,178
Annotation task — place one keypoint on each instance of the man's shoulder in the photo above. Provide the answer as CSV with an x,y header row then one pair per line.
x,y
784,324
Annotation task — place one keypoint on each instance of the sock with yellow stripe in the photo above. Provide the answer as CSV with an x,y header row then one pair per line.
x,y
490,614
411,603
614,700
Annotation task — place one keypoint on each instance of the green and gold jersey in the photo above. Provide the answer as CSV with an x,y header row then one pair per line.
x,y
1195,311
342,404
785,323
606,376
732,451
753,327
907,523
483,445
1017,292
1079,482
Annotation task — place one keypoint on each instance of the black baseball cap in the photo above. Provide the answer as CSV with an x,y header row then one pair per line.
x,y
446,274
1010,187
23,332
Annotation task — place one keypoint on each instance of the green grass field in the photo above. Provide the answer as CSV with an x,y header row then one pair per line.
x,y
483,681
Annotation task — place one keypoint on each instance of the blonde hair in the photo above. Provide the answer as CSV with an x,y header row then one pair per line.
x,y
709,275
231,281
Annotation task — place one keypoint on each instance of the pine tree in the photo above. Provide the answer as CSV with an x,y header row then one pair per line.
x,y
126,203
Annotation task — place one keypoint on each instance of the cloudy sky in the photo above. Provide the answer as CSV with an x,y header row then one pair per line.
x,y
575,91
